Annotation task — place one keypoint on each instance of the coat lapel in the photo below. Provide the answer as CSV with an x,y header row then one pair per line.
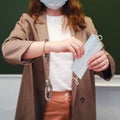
x,y
41,27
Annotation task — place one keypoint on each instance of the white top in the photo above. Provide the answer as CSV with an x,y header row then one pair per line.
x,y
60,73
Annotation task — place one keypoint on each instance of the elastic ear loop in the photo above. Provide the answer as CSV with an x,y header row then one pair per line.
x,y
100,37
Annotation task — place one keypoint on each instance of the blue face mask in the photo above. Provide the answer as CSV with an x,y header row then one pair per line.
x,y
92,46
54,4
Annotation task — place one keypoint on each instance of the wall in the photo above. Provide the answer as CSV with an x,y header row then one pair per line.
x,y
107,97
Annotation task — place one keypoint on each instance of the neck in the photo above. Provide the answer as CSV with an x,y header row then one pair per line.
x,y
51,12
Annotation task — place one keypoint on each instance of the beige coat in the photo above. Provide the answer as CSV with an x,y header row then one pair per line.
x,y
31,101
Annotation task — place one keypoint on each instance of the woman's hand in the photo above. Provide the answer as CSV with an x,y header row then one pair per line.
x,y
98,62
69,45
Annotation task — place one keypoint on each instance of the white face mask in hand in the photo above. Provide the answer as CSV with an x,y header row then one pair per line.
x,y
54,4
92,46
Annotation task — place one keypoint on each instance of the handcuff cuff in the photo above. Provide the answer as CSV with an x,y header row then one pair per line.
x,y
48,90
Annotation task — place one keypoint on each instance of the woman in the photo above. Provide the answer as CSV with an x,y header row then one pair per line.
x,y
46,41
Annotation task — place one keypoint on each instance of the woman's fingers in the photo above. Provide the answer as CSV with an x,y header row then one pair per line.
x,y
71,49
98,62
78,47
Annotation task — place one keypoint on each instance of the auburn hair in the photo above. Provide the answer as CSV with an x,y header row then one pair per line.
x,y
72,10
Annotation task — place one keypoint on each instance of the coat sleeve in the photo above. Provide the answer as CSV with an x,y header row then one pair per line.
x,y
19,40
110,71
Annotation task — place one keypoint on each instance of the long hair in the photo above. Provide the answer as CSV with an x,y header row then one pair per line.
x,y
72,9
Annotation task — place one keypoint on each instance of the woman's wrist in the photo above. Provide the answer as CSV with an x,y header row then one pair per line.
x,y
46,47
52,46
44,50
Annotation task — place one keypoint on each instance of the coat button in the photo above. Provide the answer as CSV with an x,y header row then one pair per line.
x,y
82,99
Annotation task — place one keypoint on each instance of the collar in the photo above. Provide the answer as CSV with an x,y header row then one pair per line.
x,y
41,19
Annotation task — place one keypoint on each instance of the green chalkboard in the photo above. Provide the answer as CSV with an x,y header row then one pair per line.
x,y
105,15
10,11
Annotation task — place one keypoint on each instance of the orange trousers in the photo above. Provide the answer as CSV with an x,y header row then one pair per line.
x,y
58,108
